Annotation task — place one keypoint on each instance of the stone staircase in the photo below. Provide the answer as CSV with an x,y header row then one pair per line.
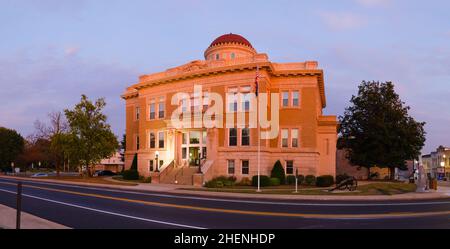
x,y
180,175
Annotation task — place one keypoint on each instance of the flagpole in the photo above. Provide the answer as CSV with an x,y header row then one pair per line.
x,y
259,130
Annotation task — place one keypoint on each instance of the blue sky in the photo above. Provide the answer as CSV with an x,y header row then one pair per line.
x,y
52,51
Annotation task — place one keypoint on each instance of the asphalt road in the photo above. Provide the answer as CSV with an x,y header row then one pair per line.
x,y
93,207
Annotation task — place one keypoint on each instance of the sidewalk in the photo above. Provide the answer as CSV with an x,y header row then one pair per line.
x,y
28,221
443,192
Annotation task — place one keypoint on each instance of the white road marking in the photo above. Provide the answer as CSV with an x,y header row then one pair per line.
x,y
106,212
247,201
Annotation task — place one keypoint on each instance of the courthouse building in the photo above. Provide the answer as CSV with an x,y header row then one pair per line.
x,y
305,140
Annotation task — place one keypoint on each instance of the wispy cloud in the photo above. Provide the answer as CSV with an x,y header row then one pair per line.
x,y
53,81
373,3
339,21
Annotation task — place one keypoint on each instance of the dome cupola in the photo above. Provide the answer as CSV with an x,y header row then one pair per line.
x,y
228,47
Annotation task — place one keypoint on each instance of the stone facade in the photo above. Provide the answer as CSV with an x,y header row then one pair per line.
x,y
230,65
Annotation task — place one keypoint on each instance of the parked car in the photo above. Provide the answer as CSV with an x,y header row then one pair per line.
x,y
37,175
105,173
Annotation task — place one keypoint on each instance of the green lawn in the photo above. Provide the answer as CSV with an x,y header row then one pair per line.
x,y
378,188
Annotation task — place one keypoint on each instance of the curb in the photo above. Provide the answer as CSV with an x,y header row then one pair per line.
x,y
399,197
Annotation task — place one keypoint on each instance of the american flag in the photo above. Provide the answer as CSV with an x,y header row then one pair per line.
x,y
256,82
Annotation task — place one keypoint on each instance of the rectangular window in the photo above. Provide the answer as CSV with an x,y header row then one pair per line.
x,y
204,137
152,111
289,167
231,167
233,137
184,153
203,152
161,109
232,99
184,105
205,101
161,139
150,165
246,102
245,137
285,96
137,143
161,163
294,137
284,138
184,138
138,113
196,102
152,140
295,101
245,167
194,137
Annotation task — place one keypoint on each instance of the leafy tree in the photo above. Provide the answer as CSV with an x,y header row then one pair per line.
x,y
377,130
90,138
278,172
11,145
54,132
36,151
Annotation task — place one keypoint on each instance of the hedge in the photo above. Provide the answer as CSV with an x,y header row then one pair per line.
x,y
221,181
290,180
324,181
130,175
264,181
274,181
310,180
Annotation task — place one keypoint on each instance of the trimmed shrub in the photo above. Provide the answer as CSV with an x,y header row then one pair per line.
x,y
324,181
301,179
134,163
290,180
274,181
221,181
310,180
214,184
341,178
130,175
278,172
264,181
245,182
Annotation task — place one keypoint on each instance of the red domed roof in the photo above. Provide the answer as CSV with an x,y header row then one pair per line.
x,y
230,38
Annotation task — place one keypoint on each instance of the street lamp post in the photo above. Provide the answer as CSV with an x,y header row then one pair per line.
x,y
157,161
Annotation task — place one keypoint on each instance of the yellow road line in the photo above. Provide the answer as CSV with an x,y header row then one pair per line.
x,y
234,211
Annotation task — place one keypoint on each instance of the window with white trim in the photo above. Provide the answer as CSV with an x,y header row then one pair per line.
x,y
152,140
152,111
137,112
161,139
289,167
285,99
232,139
245,137
161,108
245,167
284,138
231,167
295,98
294,138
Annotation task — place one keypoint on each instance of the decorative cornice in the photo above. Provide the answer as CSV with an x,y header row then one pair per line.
x,y
198,69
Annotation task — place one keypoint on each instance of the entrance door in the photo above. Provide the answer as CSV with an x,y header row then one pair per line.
x,y
194,156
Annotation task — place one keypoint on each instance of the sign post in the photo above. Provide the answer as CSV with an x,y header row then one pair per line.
x,y
18,204
296,181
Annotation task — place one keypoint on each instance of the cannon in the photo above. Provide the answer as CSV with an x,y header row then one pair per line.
x,y
350,183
